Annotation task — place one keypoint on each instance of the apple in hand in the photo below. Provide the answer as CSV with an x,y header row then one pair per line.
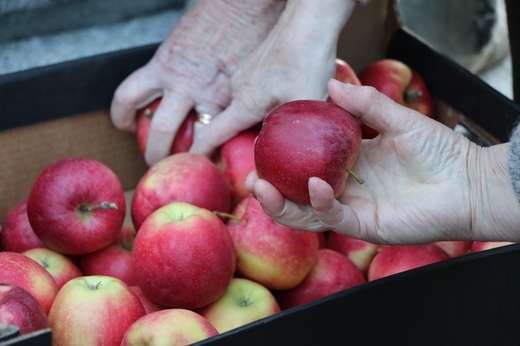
x,y
331,273
61,267
17,269
399,258
183,138
183,256
93,310
16,233
112,260
236,159
19,308
182,177
303,139
76,206
276,256
359,251
245,301
399,82
169,327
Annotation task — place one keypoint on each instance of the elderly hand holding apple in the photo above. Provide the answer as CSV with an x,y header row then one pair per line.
x,y
423,182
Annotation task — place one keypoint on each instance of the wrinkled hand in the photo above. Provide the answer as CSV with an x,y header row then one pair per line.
x,y
192,67
424,182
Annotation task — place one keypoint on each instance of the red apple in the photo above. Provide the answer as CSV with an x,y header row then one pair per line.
x,y
17,269
304,139
93,310
331,273
245,301
16,233
113,260
455,248
76,206
275,256
323,239
395,259
126,236
147,304
182,177
59,266
345,73
401,83
183,256
183,139
359,251
236,160
169,327
19,308
487,245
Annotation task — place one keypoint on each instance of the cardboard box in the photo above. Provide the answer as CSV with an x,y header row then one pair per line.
x,y
62,110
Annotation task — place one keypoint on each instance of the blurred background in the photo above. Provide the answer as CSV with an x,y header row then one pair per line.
x,y
41,32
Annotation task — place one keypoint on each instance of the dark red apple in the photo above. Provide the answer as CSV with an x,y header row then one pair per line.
x,y
16,233
237,160
303,139
76,206
183,138
113,260
20,270
395,259
331,273
401,83
19,308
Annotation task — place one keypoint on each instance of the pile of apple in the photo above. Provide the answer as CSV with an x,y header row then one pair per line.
x,y
193,254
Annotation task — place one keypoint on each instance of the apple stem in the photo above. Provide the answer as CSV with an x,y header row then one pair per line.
x,y
357,177
412,95
102,205
228,215
93,287
44,263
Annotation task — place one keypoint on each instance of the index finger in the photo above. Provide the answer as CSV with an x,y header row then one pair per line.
x,y
136,91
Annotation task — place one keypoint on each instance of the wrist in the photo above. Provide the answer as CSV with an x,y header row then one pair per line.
x,y
494,206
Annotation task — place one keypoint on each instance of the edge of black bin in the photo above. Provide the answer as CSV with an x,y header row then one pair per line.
x,y
470,300
456,85
67,88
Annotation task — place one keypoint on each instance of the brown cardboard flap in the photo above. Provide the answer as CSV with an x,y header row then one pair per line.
x,y
26,151
365,36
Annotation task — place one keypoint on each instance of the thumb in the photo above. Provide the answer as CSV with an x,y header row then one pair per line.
x,y
329,211
374,108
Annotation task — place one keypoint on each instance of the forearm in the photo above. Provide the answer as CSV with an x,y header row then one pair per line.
x,y
495,207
